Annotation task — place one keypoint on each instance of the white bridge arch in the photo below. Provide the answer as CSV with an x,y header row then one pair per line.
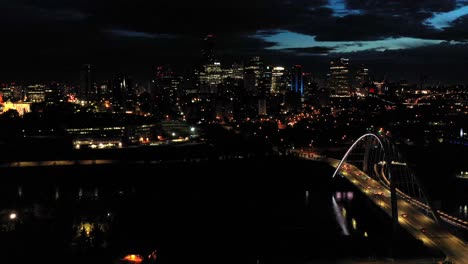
x,y
380,159
374,162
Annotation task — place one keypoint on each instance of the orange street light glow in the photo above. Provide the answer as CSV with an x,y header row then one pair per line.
x,y
133,258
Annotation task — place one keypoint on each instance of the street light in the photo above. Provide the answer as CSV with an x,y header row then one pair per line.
x,y
13,216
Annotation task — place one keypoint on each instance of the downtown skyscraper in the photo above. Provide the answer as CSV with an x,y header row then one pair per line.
x,y
338,78
87,90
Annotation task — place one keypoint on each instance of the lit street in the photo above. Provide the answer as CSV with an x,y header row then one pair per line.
x,y
410,217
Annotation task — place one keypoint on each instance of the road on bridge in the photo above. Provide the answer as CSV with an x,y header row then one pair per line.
x,y
410,216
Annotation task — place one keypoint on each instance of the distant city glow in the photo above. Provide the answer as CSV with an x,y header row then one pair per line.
x,y
288,41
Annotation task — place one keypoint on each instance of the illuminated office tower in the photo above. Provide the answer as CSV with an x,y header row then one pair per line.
x,y
123,94
255,64
210,74
338,81
277,79
168,91
361,79
297,80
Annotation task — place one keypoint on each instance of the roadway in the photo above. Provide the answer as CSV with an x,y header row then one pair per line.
x,y
410,216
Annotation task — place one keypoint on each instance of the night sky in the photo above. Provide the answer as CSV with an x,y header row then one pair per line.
x,y
50,39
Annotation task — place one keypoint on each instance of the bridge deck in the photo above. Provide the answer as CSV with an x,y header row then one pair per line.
x,y
410,217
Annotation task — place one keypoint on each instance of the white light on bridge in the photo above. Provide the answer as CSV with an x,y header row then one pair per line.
x,y
338,196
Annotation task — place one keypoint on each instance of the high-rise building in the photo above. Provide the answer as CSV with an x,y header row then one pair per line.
x,y
87,90
264,86
310,86
6,92
277,79
297,80
208,49
168,91
54,92
250,84
236,71
123,94
255,65
361,79
36,93
210,73
338,81
210,77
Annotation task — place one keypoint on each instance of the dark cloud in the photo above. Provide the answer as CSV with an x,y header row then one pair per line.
x,y
399,6
361,27
458,30
17,12
187,17
312,50
439,63
51,37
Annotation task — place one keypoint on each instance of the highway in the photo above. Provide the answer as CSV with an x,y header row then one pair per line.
x,y
410,217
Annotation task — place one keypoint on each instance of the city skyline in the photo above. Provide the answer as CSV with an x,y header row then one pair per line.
x,y
166,132
50,40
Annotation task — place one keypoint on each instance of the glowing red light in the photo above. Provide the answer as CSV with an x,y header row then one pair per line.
x,y
133,258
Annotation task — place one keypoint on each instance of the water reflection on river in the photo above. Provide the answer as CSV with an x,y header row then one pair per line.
x,y
88,215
